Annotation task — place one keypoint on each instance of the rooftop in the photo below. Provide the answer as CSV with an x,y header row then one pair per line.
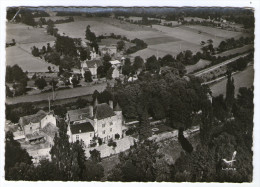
x,y
102,111
35,118
114,62
93,63
79,114
81,128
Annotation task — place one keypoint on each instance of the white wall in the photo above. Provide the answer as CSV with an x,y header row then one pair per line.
x,y
116,127
85,137
50,118
31,128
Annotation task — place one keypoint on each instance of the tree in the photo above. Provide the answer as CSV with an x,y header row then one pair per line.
x,y
40,83
138,164
88,76
49,68
230,91
152,64
75,81
120,45
14,154
110,73
53,83
138,63
95,156
35,51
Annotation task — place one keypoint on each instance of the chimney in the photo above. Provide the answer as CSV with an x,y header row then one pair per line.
x,y
91,111
111,104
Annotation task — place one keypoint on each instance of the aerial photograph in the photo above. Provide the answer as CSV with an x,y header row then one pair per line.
x,y
129,94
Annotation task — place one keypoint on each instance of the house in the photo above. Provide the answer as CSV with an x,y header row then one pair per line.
x,y
32,125
90,65
100,121
111,50
116,64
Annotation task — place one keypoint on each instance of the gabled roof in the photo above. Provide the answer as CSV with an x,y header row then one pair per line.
x,y
81,128
35,118
50,130
102,111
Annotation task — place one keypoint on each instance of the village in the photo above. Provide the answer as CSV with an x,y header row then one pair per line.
x,y
123,85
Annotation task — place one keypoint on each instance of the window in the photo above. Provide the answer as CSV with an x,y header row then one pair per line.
x,y
90,134
30,128
103,125
104,132
111,123
77,137
110,129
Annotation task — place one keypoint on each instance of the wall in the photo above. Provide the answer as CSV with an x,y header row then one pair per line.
x,y
50,118
84,137
116,127
34,126
115,73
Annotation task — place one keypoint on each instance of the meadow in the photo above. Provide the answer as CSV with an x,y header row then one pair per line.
x,y
161,40
242,79
29,63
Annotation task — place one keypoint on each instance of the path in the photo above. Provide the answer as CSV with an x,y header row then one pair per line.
x,y
218,65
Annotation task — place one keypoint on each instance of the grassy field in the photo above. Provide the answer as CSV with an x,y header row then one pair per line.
x,y
215,32
241,79
237,50
26,34
201,64
61,94
160,40
105,26
17,55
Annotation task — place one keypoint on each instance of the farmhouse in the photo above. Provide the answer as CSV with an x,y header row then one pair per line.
x,y
100,121
90,65
33,125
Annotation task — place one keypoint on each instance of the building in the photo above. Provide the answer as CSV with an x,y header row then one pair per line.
x,y
116,64
90,65
33,125
111,50
100,121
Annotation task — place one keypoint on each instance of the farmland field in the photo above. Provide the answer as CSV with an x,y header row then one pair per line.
x,y
217,32
105,26
241,79
161,40
26,34
236,50
16,55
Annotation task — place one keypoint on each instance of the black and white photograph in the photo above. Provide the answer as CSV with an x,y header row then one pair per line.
x,y
129,94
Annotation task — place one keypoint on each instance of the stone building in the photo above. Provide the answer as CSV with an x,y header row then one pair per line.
x,y
101,121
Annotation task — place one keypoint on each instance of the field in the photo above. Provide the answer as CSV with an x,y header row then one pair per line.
x,y
26,37
17,55
241,79
199,65
161,40
61,94
237,50
53,18
26,34
215,32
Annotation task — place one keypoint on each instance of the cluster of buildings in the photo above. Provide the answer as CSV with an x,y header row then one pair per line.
x,y
96,61
94,125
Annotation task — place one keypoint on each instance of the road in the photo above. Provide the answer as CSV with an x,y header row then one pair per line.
x,y
218,65
61,94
